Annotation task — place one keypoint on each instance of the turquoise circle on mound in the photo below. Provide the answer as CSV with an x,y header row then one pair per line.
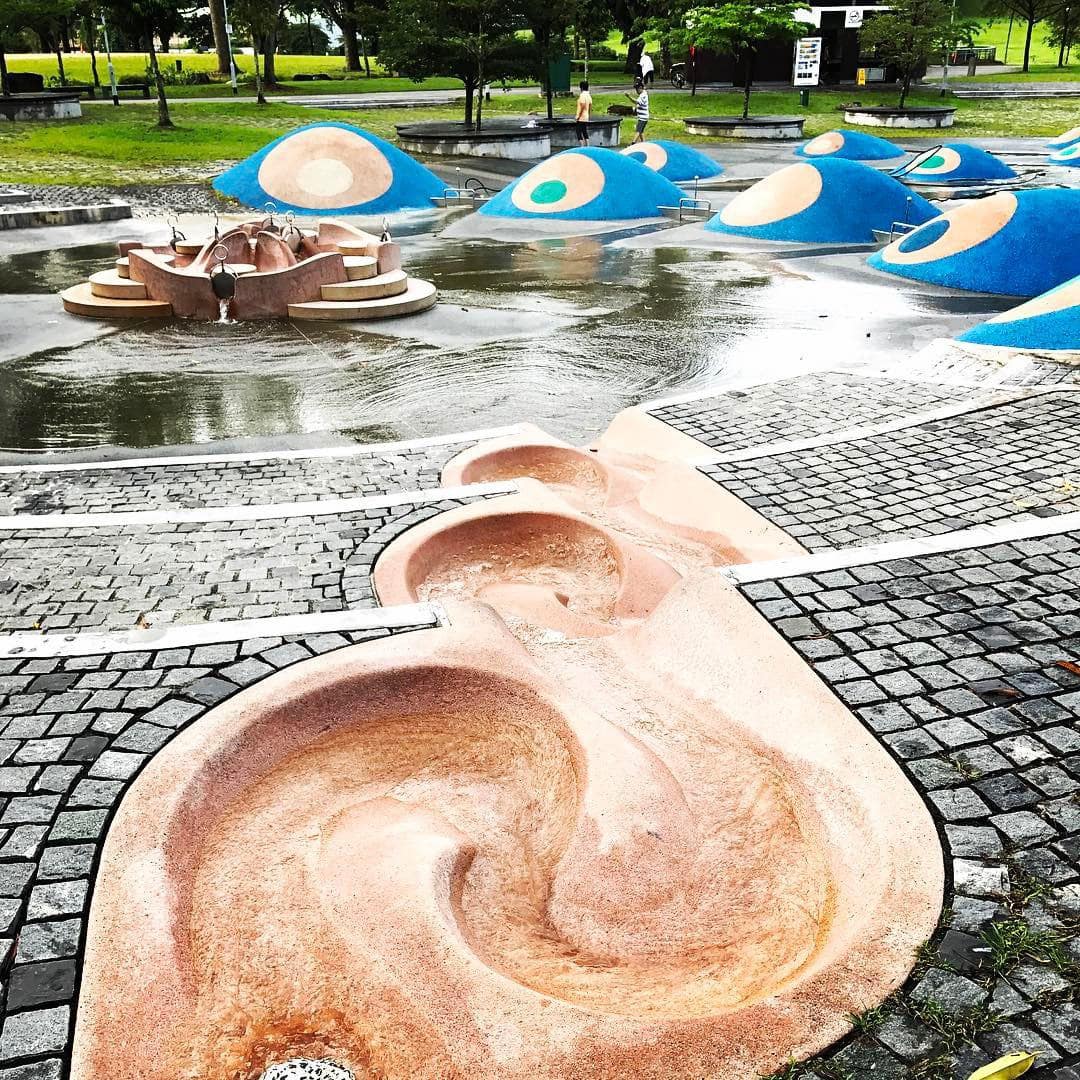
x,y
925,236
933,163
550,191
637,155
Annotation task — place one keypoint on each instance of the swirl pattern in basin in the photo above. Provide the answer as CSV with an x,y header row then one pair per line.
x,y
442,855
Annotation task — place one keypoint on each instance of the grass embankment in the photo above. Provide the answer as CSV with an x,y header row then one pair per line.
x,y
123,146
133,66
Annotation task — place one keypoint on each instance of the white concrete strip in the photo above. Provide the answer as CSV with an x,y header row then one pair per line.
x,y
719,391
256,512
264,455
26,646
840,559
868,431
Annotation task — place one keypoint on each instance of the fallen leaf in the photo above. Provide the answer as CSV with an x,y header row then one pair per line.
x,y
1006,1068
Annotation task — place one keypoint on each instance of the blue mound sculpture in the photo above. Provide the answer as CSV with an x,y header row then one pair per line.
x,y
1050,322
332,167
585,184
851,146
674,161
1067,155
1013,243
953,162
1066,139
831,201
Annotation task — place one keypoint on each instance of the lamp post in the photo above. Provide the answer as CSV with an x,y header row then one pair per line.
x,y
228,42
109,63
945,73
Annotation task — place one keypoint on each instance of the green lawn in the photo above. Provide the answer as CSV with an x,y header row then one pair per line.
x,y
133,65
117,146
996,32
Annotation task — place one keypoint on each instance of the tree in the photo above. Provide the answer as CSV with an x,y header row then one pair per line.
x,y
218,24
470,40
592,21
548,20
1029,12
15,16
908,35
738,29
260,18
343,14
144,17
1064,29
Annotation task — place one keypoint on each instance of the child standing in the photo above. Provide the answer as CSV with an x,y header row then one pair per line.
x,y
640,98
584,112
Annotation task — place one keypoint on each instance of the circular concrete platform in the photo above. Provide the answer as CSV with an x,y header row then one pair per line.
x,y
927,116
753,127
496,138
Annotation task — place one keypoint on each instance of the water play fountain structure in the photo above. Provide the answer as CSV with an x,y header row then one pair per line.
x,y
332,167
1067,156
851,146
563,834
830,200
1066,138
1047,323
955,163
676,162
261,269
1012,243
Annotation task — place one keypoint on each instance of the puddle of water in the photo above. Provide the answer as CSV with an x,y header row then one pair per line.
x,y
562,332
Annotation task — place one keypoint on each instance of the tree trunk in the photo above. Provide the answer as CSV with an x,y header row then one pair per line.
x,y
65,34
1027,44
348,37
367,60
221,37
3,70
260,98
269,43
748,82
60,62
905,88
310,38
633,55
480,96
163,37
469,90
163,118
90,40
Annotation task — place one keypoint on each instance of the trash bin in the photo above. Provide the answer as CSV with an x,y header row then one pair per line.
x,y
559,74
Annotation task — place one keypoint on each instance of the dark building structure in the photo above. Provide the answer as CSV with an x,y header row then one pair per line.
x,y
842,55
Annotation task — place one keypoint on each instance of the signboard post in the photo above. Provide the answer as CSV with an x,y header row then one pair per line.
x,y
807,66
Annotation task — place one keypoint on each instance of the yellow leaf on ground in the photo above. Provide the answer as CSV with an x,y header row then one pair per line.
x,y
1005,1068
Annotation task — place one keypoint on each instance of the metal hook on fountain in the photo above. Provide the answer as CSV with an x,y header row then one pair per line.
x,y
223,281
291,234
217,223
385,238
270,209
177,235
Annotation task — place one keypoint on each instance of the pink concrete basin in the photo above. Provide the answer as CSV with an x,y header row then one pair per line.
x,y
440,856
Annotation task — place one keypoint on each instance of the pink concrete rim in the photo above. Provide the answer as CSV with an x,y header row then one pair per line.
x,y
884,853
405,563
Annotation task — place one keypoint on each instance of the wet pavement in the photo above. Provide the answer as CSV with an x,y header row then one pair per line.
x,y
564,332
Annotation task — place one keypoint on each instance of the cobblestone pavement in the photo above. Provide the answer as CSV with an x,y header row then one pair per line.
x,y
237,482
1011,461
116,578
147,200
803,407
74,733
966,667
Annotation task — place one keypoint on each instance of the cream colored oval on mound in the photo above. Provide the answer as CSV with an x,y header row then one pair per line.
x,y
574,178
828,143
782,195
968,226
325,168
655,156
1059,299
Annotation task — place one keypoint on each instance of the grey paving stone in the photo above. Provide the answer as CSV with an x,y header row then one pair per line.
x,y
43,983
65,861
48,940
1005,1038
78,825
908,1038
38,1032
977,841
953,992
52,1069
57,898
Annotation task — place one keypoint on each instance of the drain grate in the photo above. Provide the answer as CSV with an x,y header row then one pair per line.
x,y
306,1069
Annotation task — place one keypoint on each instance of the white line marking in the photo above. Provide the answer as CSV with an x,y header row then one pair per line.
x,y
979,536
265,455
256,512
187,636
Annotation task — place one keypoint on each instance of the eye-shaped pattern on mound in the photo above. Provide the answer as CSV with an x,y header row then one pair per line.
x,y
1067,138
1069,156
585,184
850,145
825,201
1013,243
674,161
335,167
957,161
1050,322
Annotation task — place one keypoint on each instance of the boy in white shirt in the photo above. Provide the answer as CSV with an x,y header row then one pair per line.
x,y
640,98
